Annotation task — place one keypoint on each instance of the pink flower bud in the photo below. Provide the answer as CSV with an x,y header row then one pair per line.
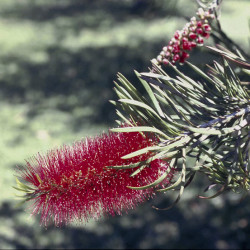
x,y
177,34
184,39
170,48
184,54
185,32
192,36
193,19
159,59
206,35
171,42
176,57
201,13
199,31
162,53
176,49
167,54
192,29
199,40
199,24
183,57
206,14
186,46
165,48
193,44
165,61
207,27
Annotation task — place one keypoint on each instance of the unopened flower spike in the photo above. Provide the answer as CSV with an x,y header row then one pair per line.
x,y
185,40
76,183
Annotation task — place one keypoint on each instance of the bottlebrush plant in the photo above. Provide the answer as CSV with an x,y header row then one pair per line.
x,y
75,182
177,120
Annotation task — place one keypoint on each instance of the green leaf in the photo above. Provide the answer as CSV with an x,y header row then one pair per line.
x,y
232,57
222,189
137,171
159,180
151,95
21,186
188,79
140,152
181,179
204,131
140,129
182,141
139,104
128,122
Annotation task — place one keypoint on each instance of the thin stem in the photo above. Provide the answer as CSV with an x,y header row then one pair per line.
x,y
228,42
226,118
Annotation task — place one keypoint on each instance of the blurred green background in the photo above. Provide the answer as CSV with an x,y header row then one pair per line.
x,y
58,61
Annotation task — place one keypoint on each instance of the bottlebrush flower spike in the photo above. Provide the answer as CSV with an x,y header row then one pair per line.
x,y
74,183
186,39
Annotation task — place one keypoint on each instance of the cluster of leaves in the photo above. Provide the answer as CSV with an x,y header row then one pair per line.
x,y
206,120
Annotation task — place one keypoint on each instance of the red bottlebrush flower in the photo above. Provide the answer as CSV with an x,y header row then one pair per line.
x,y
75,183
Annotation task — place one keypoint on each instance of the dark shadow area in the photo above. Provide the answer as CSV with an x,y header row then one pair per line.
x,y
78,79
74,79
198,224
120,11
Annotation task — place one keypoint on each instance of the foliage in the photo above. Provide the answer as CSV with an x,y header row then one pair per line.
x,y
207,121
